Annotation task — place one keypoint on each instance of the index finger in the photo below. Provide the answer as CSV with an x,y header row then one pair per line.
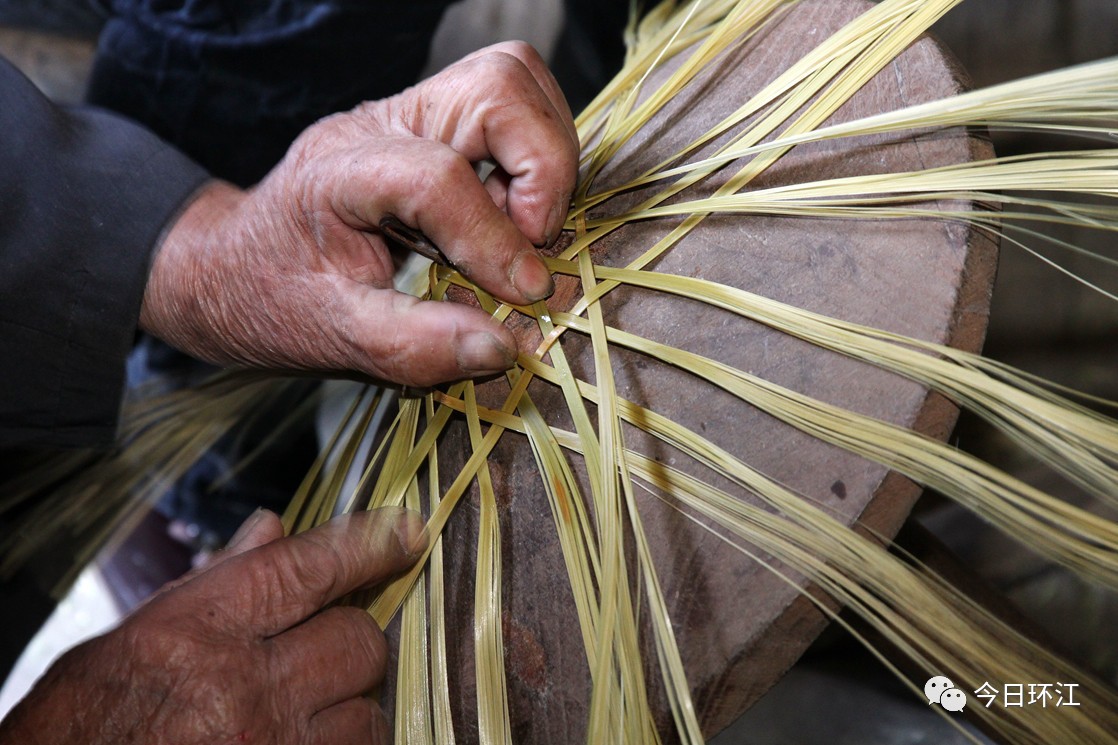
x,y
496,106
536,65
274,587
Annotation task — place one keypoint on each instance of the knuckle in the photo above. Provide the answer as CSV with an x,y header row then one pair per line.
x,y
436,175
514,56
338,128
363,637
365,111
166,630
316,140
446,169
391,350
377,116
522,50
304,580
230,701
505,68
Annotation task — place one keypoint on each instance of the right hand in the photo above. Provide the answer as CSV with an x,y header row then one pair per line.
x,y
238,651
294,273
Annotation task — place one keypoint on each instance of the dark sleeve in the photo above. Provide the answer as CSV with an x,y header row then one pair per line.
x,y
84,197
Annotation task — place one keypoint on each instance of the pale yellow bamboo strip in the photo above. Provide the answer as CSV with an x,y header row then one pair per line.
x,y
580,553
621,632
849,72
615,469
295,507
843,61
386,605
388,602
1056,101
401,451
442,718
1066,534
1079,442
608,697
608,709
1092,173
732,30
933,636
489,657
322,505
107,495
414,714
910,613
652,40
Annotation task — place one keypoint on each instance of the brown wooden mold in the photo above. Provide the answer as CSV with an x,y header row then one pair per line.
x,y
739,627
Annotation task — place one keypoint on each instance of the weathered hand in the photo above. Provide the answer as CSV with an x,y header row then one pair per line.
x,y
294,274
239,650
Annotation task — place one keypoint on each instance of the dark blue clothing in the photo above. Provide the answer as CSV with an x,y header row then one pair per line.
x,y
233,82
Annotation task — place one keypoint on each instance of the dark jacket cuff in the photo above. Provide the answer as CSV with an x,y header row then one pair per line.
x,y
86,196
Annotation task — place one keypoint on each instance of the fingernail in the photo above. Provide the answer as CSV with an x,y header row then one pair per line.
x,y
483,352
529,275
555,219
411,531
246,528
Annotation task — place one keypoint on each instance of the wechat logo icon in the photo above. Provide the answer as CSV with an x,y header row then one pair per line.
x,y
942,691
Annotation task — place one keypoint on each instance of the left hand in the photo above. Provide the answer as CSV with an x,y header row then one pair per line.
x,y
239,651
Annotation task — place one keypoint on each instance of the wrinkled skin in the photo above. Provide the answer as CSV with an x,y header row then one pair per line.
x,y
293,274
238,651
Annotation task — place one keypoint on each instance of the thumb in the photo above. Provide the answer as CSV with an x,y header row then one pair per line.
x,y
279,585
261,527
430,342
